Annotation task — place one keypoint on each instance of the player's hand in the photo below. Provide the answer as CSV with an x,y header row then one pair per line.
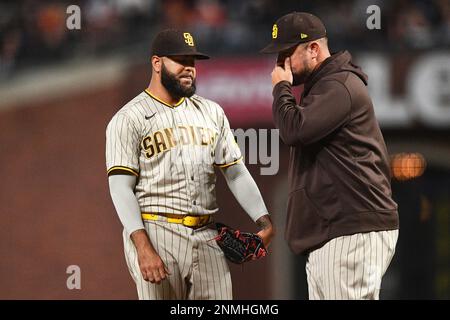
x,y
282,74
267,235
267,231
152,267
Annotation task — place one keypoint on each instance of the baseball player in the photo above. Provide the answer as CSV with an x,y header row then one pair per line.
x,y
162,149
340,209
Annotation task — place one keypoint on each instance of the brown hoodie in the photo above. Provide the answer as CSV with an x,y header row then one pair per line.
x,y
339,175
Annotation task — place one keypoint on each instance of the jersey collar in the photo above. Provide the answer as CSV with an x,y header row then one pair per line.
x,y
163,102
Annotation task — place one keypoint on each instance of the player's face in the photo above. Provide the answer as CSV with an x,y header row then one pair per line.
x,y
301,62
178,75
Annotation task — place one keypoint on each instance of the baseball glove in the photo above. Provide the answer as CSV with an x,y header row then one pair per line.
x,y
238,246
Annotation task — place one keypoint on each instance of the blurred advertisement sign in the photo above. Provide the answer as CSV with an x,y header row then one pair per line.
x,y
426,90
242,86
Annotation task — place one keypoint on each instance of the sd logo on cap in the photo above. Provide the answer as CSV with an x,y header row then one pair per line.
x,y
293,29
172,42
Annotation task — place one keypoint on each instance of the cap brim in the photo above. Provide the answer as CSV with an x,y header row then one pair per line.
x,y
201,56
196,55
277,47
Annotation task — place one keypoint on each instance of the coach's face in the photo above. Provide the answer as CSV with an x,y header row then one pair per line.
x,y
302,61
178,75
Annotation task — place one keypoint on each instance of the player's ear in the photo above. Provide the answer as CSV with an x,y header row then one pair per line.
x,y
156,64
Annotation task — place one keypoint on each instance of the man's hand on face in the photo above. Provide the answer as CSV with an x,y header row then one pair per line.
x,y
282,74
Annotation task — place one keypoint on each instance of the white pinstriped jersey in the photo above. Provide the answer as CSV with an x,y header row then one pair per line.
x,y
172,150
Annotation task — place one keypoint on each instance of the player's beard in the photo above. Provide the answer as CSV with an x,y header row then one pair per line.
x,y
174,86
301,77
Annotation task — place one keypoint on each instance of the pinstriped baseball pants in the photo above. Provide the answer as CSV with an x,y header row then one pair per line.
x,y
350,267
198,267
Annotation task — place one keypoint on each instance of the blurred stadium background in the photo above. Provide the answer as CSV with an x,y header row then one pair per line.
x,y
60,87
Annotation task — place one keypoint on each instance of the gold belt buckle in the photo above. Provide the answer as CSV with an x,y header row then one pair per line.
x,y
190,221
195,221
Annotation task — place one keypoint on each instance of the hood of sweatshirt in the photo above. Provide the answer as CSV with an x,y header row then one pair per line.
x,y
337,62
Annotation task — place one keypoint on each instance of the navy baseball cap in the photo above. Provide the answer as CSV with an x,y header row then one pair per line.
x,y
294,28
172,42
